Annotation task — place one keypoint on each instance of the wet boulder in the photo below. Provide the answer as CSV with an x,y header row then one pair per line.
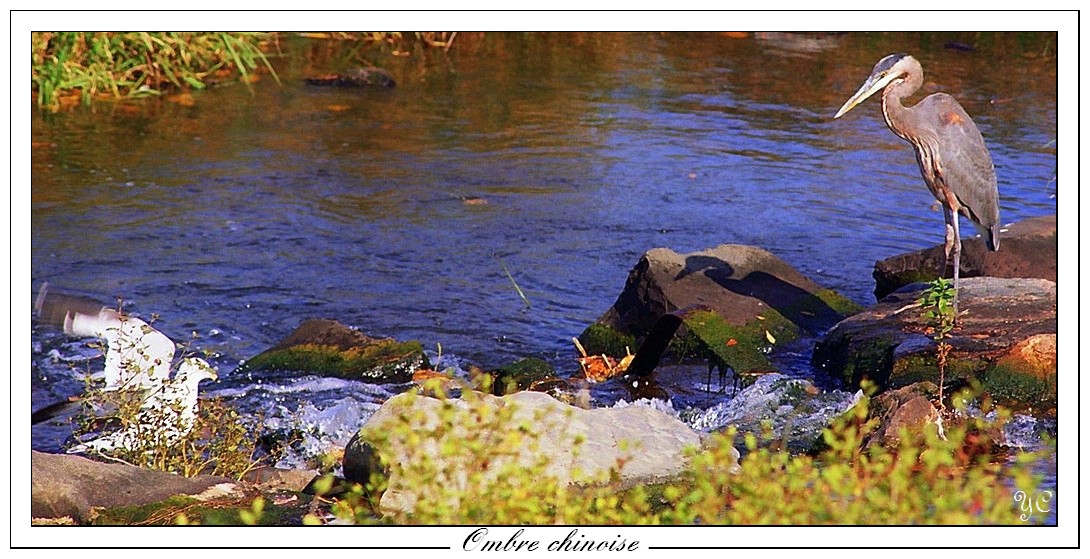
x,y
67,485
905,410
1026,250
570,443
523,374
1004,340
744,302
327,347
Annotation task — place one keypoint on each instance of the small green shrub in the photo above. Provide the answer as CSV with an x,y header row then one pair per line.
x,y
218,441
938,301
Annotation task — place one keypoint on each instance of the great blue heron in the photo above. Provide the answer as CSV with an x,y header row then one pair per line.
x,y
953,160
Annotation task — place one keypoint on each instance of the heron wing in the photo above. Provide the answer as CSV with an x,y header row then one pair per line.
x,y
961,160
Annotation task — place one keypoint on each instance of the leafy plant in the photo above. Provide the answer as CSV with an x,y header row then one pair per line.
x,y
938,302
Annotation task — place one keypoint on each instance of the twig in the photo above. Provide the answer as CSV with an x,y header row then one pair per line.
x,y
514,283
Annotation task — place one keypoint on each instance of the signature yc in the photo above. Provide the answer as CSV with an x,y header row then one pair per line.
x,y
1039,503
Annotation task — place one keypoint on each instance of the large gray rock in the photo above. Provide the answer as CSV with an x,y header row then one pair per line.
x,y
1027,249
67,485
754,301
579,444
738,282
1005,339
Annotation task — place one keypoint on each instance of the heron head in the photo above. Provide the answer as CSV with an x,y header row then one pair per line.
x,y
888,69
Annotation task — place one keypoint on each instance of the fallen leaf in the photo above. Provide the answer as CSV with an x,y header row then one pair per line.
x,y
183,99
732,341
771,339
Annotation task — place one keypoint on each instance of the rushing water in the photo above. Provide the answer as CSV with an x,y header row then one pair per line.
x,y
236,214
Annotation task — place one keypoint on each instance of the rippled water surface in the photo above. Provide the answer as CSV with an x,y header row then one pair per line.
x,y
562,158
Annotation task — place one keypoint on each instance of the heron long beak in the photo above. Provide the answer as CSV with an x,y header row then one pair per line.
x,y
874,83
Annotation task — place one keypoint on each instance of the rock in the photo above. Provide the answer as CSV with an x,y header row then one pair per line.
x,y
356,77
1026,250
908,408
1005,340
267,479
753,299
67,485
794,411
520,375
654,451
327,347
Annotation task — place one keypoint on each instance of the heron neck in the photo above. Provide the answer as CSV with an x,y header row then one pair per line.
x,y
893,109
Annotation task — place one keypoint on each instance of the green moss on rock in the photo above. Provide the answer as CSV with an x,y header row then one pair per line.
x,y
923,366
1019,389
599,339
381,361
520,375
742,347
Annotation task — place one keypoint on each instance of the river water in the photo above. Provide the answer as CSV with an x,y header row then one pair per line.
x,y
236,213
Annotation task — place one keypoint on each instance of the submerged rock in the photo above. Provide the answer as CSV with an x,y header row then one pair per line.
x,y
1026,250
355,77
576,444
327,347
1005,340
745,301
792,412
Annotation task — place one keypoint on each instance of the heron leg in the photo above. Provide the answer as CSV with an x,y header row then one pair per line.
x,y
953,250
949,246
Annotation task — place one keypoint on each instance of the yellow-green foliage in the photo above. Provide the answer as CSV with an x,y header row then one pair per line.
x,y
925,480
219,442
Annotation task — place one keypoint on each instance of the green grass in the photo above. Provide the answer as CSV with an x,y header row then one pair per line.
x,y
70,67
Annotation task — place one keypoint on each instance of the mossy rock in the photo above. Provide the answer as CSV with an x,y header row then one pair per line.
x,y
599,339
1004,341
754,301
326,347
218,512
385,361
743,348
1026,391
520,375
924,367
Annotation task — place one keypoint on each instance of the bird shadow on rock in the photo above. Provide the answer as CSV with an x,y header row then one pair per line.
x,y
800,306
